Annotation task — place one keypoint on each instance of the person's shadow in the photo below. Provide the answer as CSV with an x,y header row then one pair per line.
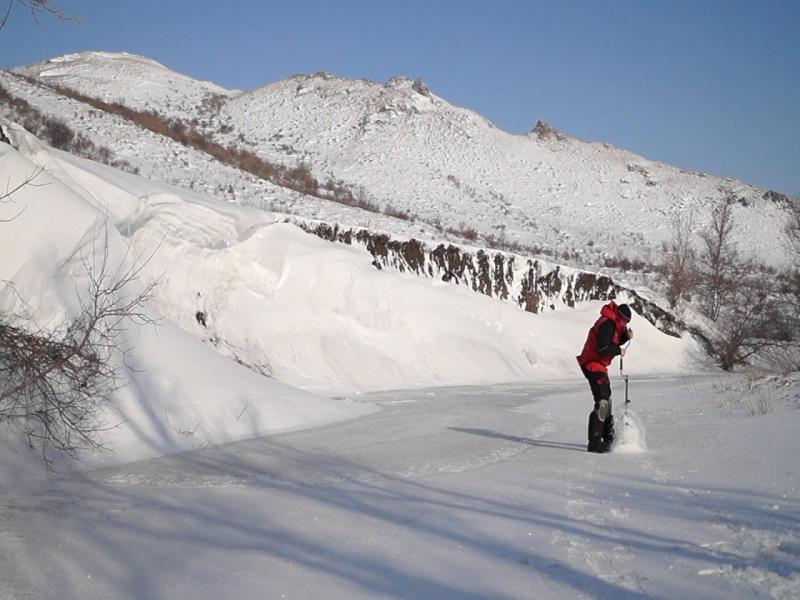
x,y
521,440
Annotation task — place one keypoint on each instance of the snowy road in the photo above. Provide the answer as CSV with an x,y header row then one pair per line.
x,y
448,493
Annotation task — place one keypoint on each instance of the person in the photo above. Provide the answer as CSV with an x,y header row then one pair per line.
x,y
605,341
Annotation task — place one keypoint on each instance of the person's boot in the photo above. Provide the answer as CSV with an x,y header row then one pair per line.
x,y
608,433
595,433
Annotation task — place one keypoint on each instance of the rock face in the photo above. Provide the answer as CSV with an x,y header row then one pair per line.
x,y
544,131
421,88
530,284
777,198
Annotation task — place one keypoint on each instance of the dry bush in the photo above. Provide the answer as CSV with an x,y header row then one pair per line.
x,y
748,395
397,213
719,261
680,266
57,133
54,380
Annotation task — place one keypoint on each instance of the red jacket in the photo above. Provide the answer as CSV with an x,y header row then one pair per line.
x,y
605,338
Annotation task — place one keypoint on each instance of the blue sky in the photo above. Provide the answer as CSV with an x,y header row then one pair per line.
x,y
704,84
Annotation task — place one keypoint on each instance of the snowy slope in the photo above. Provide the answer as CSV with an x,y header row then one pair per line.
x,y
408,148
179,394
163,159
236,285
433,492
134,80
412,149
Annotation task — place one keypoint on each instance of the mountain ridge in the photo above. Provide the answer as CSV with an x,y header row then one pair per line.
x,y
402,146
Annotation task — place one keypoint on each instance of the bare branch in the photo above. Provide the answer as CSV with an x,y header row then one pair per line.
x,y
680,262
53,381
35,8
719,260
792,229
5,197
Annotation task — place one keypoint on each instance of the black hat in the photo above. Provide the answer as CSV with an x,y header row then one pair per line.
x,y
624,311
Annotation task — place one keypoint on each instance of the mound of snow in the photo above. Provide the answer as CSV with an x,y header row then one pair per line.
x,y
630,437
180,394
238,287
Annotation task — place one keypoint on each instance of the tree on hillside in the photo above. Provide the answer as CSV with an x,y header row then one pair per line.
x,y
755,309
719,260
793,228
680,262
747,323
792,232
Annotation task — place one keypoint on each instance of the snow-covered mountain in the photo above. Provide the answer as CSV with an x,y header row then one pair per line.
x,y
402,146
465,475
131,79
239,286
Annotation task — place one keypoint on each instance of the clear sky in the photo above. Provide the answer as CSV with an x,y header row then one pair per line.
x,y
709,85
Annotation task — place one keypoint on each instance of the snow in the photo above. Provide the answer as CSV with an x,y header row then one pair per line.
x,y
393,436
408,149
181,394
327,320
467,492
109,74
630,434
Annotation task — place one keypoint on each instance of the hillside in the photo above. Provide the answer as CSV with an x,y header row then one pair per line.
x,y
403,147
262,293
320,400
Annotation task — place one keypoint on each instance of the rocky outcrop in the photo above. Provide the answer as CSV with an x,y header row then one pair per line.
x,y
420,87
777,198
531,284
544,131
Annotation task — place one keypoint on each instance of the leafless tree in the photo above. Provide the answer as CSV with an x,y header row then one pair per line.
x,y
680,262
747,324
719,260
53,380
5,197
34,7
793,227
792,276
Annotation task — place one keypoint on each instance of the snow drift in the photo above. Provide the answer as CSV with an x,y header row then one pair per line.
x,y
237,286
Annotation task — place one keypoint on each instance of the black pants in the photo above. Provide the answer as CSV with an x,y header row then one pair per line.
x,y
601,427
599,384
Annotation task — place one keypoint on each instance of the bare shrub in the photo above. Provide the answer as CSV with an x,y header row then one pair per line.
x,y
468,233
58,134
718,260
627,264
680,268
54,380
748,395
746,324
782,359
792,277
397,213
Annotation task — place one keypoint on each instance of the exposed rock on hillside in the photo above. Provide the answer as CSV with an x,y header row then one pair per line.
x,y
545,131
530,284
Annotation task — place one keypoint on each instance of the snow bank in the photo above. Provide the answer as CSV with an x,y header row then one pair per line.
x,y
237,287
180,394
